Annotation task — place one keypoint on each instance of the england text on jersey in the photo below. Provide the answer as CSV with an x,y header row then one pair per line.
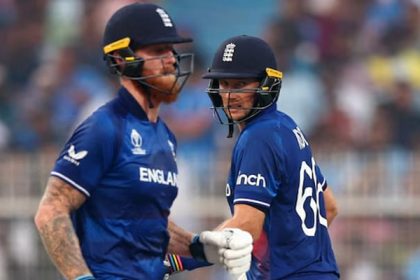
x,y
158,176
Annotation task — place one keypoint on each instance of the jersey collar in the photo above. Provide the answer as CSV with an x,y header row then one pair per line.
x,y
272,108
131,104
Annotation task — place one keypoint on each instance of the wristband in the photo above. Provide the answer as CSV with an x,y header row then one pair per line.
x,y
175,263
85,277
197,249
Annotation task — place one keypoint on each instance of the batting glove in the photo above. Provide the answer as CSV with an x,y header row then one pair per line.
x,y
230,247
205,252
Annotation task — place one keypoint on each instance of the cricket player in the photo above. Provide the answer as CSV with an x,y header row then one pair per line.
x,y
275,188
104,213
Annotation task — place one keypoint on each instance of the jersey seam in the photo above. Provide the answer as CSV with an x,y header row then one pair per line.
x,y
71,182
252,201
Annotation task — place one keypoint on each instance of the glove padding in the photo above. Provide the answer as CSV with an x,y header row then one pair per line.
x,y
230,247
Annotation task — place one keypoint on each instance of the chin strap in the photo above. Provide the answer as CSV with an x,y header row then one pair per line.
x,y
230,131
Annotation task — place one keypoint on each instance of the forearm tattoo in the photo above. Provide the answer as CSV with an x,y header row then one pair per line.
x,y
57,232
179,241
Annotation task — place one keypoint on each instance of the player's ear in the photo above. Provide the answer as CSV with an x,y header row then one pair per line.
x,y
117,57
114,62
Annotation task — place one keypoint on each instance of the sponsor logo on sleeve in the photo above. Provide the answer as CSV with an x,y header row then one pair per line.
x,y
228,190
251,180
73,156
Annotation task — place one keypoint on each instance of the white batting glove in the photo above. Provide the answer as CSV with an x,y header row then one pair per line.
x,y
238,277
234,249
208,252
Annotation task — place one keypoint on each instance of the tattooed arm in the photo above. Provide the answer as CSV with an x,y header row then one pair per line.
x,y
56,229
179,255
179,241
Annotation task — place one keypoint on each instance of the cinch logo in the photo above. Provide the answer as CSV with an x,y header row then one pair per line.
x,y
251,180
228,191
229,50
74,157
158,176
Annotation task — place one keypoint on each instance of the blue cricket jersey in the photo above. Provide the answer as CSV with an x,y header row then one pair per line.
x,y
126,168
273,169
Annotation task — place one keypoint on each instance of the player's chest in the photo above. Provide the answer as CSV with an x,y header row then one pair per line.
x,y
146,158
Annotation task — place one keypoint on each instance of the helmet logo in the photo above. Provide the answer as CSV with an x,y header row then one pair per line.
x,y
165,18
229,50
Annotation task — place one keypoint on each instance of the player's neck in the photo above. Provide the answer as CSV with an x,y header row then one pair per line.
x,y
139,94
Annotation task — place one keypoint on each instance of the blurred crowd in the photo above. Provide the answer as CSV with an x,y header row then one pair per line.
x,y
352,71
351,81
51,70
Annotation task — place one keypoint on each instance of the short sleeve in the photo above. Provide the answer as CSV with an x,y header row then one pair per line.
x,y
258,169
88,153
